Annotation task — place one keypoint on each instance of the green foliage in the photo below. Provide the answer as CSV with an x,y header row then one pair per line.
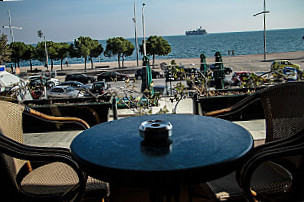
x,y
40,52
83,46
63,50
51,49
120,47
5,50
254,81
18,50
178,72
29,54
156,45
95,51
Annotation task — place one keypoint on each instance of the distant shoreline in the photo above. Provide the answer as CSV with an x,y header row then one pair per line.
x,y
239,62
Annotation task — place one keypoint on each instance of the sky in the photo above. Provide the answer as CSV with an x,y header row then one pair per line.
x,y
66,20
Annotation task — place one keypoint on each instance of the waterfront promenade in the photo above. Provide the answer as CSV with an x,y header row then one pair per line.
x,y
238,62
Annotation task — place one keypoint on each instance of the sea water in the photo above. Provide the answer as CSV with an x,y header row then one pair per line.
x,y
241,43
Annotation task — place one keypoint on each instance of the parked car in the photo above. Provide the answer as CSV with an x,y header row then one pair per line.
x,y
63,92
239,76
162,90
83,78
99,87
74,84
227,83
155,74
279,65
290,74
111,76
43,80
227,70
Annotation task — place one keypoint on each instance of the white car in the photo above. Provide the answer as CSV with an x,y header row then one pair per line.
x,y
63,92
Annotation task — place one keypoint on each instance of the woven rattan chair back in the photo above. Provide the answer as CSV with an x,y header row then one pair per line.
x,y
284,110
11,125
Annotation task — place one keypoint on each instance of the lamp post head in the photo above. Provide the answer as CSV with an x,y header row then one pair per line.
x,y
40,34
144,4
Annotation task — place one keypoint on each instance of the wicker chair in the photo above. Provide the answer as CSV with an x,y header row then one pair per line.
x,y
284,115
31,173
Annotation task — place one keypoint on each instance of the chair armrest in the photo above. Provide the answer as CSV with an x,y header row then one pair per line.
x,y
283,142
49,118
245,173
236,107
20,151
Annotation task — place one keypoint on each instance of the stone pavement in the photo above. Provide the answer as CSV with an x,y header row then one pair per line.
x,y
64,138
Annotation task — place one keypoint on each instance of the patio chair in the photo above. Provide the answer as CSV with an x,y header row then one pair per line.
x,y
283,106
29,173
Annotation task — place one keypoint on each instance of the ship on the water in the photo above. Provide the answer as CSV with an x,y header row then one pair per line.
x,y
199,31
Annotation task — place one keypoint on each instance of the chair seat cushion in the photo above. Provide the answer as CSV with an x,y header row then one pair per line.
x,y
56,178
269,178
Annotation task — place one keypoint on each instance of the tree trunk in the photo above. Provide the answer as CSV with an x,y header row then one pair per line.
x,y
85,63
123,60
91,63
118,60
61,61
31,65
51,65
153,61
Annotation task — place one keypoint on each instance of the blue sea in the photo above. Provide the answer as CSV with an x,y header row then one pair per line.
x,y
243,43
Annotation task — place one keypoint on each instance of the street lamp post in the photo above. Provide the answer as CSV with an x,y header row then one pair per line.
x,y
143,24
264,12
10,27
40,34
136,42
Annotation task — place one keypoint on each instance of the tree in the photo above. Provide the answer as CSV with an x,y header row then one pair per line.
x,y
18,50
52,52
128,50
156,45
29,54
96,50
5,50
120,47
63,50
51,49
83,46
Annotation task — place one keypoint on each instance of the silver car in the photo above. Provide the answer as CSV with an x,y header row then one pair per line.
x,y
63,92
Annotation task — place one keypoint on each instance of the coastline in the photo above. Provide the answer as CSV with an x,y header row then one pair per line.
x,y
238,62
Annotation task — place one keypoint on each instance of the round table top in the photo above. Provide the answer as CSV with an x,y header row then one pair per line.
x,y
201,149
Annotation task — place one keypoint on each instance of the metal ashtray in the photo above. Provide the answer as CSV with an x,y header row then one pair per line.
x,y
155,130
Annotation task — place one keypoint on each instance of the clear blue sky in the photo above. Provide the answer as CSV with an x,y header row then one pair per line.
x,y
65,20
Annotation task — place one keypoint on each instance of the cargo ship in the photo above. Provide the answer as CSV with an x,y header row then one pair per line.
x,y
198,31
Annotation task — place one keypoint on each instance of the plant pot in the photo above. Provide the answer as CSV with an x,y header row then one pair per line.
x,y
88,109
207,104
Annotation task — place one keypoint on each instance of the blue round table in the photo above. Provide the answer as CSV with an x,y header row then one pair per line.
x,y
201,149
